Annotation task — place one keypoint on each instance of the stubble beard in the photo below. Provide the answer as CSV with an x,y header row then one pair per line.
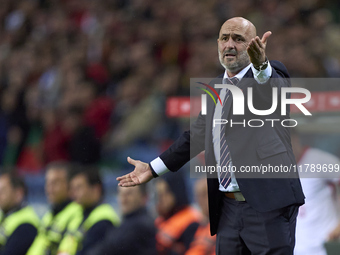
x,y
237,65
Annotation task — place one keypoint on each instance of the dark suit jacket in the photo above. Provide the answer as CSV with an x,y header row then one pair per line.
x,y
249,146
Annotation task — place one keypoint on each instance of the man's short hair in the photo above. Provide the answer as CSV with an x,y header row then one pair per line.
x,y
61,166
16,181
91,174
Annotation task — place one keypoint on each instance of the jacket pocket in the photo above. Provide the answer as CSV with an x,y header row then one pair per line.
x,y
290,212
270,149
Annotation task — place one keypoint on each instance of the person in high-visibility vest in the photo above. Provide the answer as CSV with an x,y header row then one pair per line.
x,y
55,222
177,221
97,217
18,221
203,243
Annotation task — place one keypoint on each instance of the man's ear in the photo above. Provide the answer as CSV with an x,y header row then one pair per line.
x,y
98,189
19,195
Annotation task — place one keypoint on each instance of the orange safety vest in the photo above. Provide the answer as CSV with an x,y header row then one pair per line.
x,y
170,230
203,243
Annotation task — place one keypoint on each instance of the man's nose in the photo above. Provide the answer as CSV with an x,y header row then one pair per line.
x,y
230,44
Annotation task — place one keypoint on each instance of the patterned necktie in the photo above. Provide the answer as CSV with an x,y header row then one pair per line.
x,y
225,157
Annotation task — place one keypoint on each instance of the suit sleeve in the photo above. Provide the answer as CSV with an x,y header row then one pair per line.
x,y
20,240
187,146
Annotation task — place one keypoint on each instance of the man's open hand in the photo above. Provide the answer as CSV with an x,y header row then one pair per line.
x,y
141,174
257,49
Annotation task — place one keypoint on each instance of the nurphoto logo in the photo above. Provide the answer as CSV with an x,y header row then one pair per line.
x,y
238,103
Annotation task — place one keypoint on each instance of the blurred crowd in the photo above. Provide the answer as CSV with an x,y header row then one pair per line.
x,y
87,81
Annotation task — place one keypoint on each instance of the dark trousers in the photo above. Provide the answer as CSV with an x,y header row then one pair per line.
x,y
245,231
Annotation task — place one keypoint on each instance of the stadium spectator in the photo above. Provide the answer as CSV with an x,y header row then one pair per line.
x,y
72,140
56,221
203,243
177,221
97,217
317,221
49,53
136,234
18,221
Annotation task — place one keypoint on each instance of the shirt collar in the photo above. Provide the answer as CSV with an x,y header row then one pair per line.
x,y
240,75
14,209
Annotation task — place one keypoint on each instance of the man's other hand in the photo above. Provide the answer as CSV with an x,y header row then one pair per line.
x,y
141,174
257,49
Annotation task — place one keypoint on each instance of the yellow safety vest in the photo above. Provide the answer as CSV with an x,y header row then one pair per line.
x,y
53,229
72,241
9,224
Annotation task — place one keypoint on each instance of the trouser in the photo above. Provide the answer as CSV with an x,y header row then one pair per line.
x,y
244,231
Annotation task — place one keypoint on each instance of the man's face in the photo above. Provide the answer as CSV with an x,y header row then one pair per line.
x,y
130,199
56,186
233,40
165,199
82,192
7,194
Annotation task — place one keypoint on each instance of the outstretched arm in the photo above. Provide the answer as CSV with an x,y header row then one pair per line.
x,y
141,174
188,145
172,159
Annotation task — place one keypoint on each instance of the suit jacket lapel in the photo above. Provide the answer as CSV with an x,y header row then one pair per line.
x,y
209,118
210,104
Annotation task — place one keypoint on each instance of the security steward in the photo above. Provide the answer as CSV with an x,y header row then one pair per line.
x,y
55,222
18,221
177,221
97,217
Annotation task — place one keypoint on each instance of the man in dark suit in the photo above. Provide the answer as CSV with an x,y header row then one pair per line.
x,y
250,215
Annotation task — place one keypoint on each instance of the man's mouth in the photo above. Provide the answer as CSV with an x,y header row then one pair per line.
x,y
228,55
